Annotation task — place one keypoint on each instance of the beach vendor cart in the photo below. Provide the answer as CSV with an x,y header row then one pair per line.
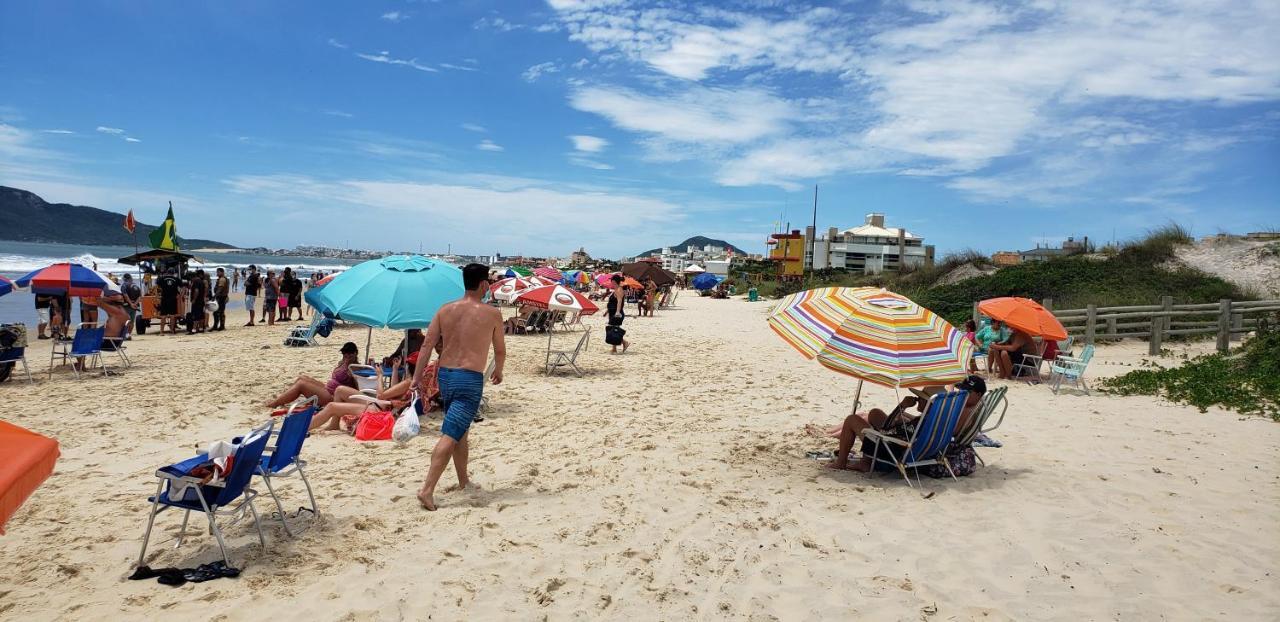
x,y
157,261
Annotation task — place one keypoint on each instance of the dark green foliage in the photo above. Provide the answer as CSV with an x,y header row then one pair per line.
x,y
698,241
1246,380
25,217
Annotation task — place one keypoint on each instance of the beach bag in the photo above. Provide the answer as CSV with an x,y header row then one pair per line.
x,y
613,335
375,426
407,426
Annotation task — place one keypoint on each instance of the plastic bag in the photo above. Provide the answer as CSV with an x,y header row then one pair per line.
x,y
407,426
375,426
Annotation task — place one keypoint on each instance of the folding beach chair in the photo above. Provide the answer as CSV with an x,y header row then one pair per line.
x,y
231,497
1031,364
1071,368
301,336
13,348
557,359
86,344
366,379
964,435
281,459
117,344
927,445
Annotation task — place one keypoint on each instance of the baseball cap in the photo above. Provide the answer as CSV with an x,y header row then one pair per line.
x,y
974,384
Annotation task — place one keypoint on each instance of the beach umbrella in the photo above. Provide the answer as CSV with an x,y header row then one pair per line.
x,y
539,281
399,291
1025,315
519,271
26,460
873,335
547,272
626,282
6,286
603,279
694,269
71,279
556,298
641,270
507,288
326,280
706,280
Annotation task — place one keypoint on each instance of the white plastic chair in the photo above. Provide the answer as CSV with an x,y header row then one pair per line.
x,y
1071,368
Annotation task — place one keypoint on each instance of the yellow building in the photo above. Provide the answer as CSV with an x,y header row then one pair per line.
x,y
788,251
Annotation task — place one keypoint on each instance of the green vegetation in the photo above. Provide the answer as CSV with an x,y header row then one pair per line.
x,y
1139,272
1246,379
25,217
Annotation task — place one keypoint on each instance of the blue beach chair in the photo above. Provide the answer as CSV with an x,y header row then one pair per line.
x,y
178,489
281,459
87,343
927,446
1071,368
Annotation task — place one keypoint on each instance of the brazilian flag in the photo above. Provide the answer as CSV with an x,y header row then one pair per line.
x,y
165,237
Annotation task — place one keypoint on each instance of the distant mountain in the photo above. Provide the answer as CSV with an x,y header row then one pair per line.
x,y
25,217
698,241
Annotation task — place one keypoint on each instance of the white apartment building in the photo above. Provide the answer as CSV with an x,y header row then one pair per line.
x,y
870,248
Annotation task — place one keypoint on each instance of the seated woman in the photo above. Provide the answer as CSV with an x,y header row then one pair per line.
x,y
516,322
331,416
306,386
899,423
991,333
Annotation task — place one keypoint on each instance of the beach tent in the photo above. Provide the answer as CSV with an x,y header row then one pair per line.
x,y
706,281
874,335
26,460
641,270
694,269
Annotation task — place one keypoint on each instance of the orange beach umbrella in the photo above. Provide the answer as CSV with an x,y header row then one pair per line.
x,y
26,459
1025,315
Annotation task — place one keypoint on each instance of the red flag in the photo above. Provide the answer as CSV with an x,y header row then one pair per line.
x,y
129,222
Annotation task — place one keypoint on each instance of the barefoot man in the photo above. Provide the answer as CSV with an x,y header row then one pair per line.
x,y
466,327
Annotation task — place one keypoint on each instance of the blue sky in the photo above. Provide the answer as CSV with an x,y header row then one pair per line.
x,y
538,127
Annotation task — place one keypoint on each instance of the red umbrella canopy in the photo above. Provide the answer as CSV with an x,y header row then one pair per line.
x,y
557,298
547,272
1025,315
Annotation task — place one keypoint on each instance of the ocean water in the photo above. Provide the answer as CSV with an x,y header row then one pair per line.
x,y
19,258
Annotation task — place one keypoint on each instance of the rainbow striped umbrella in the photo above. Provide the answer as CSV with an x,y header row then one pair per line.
x,y
874,335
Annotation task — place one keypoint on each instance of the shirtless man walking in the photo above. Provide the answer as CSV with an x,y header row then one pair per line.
x,y
466,327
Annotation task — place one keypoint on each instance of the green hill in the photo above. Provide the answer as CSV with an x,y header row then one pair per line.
x,y
698,241
25,217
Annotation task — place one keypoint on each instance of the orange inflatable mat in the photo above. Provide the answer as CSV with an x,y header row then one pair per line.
x,y
26,459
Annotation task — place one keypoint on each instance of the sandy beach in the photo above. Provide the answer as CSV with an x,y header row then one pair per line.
x,y
670,483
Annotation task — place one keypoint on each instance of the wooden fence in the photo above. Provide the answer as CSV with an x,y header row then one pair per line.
x,y
1225,318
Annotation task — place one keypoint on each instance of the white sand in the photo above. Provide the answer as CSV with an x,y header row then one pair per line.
x,y
669,483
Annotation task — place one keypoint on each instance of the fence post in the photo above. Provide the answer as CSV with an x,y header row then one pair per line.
x,y
1090,324
1047,304
1111,326
1237,324
1159,325
1224,324
976,315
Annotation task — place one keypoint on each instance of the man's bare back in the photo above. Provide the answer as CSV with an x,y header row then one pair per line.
x,y
467,328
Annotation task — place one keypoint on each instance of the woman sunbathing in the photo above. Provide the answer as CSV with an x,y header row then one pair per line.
x,y
306,386
334,413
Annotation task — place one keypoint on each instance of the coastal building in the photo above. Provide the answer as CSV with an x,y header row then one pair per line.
x,y
1006,258
870,248
1044,253
788,252
579,258
676,260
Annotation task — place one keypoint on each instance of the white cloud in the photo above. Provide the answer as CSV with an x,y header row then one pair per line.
x,y
395,16
457,67
115,131
489,145
338,44
531,211
472,127
385,57
57,131
337,113
694,114
588,144
578,160
130,139
537,71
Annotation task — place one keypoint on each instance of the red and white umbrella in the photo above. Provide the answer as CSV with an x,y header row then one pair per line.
x,y
541,281
507,289
557,298
547,272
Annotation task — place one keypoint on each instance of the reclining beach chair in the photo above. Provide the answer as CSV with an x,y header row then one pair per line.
x,y
366,379
86,344
231,497
281,459
1071,368
1030,363
557,359
13,347
300,336
964,436
927,446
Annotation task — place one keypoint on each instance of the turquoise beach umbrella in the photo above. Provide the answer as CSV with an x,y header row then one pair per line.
x,y
400,291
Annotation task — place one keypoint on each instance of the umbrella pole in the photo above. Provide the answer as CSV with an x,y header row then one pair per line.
x,y
857,397
368,340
